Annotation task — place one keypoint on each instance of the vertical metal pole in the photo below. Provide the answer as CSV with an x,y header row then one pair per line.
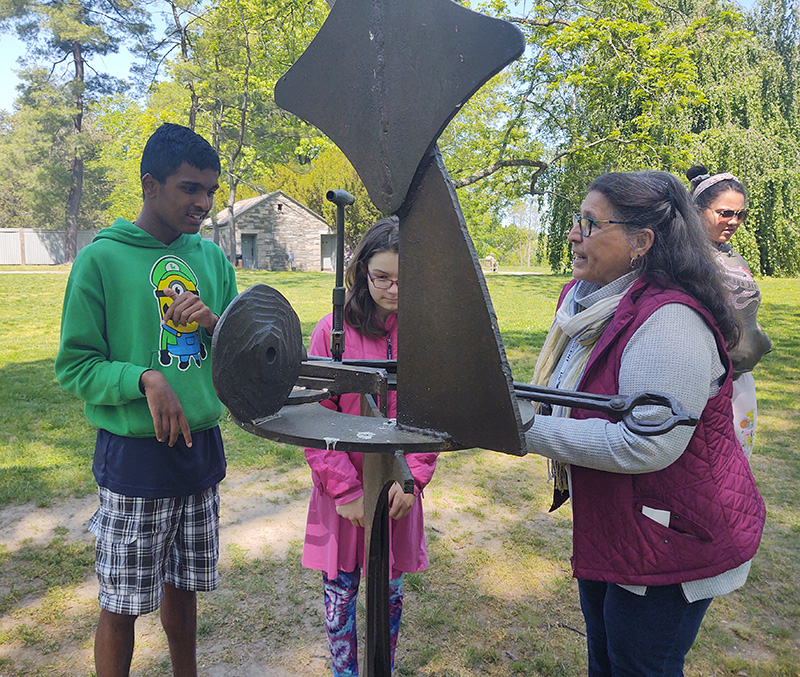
x,y
379,472
377,475
340,198
377,655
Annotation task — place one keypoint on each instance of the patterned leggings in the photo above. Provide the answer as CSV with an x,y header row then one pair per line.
x,y
340,619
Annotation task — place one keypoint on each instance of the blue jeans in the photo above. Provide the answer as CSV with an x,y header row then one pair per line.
x,y
638,636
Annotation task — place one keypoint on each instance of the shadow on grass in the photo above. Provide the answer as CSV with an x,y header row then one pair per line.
x,y
42,568
44,621
46,445
244,450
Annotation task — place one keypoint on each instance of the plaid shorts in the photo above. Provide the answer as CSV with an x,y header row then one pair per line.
x,y
143,543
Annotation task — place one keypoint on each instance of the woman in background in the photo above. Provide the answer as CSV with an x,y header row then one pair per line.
x,y
721,200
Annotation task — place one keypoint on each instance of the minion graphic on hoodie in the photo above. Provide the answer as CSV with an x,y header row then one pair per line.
x,y
181,341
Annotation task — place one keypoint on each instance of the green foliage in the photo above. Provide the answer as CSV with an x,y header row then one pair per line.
x,y
125,129
63,39
328,170
619,77
250,44
604,85
620,85
33,189
484,132
34,141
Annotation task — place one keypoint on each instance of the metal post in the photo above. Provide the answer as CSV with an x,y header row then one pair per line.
x,y
380,471
341,198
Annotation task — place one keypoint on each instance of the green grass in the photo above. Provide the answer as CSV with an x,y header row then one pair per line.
x,y
497,599
46,444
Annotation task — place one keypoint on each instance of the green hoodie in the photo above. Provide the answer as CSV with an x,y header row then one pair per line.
x,y
111,330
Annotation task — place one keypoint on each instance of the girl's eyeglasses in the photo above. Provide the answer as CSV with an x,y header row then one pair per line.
x,y
381,281
586,223
740,214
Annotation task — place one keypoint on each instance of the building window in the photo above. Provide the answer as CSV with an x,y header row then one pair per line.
x,y
280,207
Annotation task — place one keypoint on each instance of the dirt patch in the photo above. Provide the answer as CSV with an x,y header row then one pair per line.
x,y
266,619
498,598
261,517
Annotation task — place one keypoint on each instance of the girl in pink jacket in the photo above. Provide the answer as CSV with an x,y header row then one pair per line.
x,y
334,542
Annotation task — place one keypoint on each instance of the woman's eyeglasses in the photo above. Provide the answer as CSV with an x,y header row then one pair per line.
x,y
586,223
381,281
740,214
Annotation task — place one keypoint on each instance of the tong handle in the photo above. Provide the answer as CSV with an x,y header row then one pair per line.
x,y
619,407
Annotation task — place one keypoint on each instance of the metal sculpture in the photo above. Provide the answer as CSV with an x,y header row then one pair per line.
x,y
408,66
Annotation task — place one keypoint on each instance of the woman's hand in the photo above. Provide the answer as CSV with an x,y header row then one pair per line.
x,y
353,511
399,502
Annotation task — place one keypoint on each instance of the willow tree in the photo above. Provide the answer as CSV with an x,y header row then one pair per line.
x,y
594,91
65,36
623,83
634,84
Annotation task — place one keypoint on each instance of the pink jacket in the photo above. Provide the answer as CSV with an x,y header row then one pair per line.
x,y
332,543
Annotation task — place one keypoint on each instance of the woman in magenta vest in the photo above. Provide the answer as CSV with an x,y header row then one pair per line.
x,y
661,524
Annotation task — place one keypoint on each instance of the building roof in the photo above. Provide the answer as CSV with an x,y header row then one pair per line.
x,y
243,206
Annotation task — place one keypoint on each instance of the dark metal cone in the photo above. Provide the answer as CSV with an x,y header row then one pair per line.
x,y
256,353
452,372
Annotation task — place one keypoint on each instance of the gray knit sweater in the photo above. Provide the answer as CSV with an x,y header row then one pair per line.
x,y
673,352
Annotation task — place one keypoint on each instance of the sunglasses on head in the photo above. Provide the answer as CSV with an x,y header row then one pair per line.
x,y
740,214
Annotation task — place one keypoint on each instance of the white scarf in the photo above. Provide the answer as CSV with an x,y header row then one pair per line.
x,y
585,327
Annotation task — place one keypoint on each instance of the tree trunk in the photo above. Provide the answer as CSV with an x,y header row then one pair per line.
x,y
76,164
73,207
233,180
195,105
232,222
215,227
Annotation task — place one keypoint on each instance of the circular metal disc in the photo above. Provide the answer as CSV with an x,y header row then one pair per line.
x,y
312,425
256,353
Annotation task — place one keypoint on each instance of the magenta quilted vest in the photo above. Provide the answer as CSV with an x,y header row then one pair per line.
x,y
716,512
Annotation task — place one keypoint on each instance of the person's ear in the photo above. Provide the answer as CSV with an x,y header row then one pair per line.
x,y
150,186
642,242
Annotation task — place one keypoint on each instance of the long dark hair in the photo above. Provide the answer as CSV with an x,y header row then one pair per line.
x,y
682,254
359,308
706,197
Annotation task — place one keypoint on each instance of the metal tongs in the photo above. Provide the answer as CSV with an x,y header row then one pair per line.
x,y
619,407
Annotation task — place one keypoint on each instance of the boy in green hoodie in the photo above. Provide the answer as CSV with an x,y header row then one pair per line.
x,y
139,312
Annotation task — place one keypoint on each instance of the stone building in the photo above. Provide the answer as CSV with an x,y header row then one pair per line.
x,y
276,232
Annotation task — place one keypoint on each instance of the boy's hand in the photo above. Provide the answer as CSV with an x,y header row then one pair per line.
x,y
165,408
353,511
186,308
399,502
